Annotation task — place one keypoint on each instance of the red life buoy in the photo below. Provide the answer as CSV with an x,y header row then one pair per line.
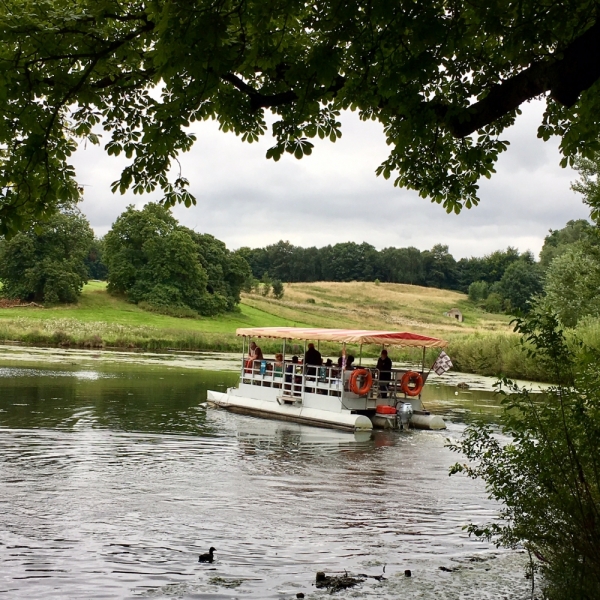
x,y
411,383
364,390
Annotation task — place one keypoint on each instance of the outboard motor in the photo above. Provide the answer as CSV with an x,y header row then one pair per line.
x,y
405,413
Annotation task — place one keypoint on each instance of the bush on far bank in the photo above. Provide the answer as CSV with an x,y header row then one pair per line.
x,y
46,263
155,261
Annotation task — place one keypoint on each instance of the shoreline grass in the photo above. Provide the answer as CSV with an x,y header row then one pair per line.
x,y
484,344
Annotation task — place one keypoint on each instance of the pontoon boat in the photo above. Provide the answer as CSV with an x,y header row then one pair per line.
x,y
331,396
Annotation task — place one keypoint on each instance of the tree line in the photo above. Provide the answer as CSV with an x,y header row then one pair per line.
x,y
567,274
507,277
147,257
152,260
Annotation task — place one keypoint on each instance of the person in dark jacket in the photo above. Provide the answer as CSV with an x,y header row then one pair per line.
x,y
384,365
313,356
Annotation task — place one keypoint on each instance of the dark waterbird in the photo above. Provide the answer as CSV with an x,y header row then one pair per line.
x,y
208,556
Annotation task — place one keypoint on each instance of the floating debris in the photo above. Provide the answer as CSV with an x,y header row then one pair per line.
x,y
227,583
449,569
336,583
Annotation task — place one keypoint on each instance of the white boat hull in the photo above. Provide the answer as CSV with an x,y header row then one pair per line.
x,y
344,420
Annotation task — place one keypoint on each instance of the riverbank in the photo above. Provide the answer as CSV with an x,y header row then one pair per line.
x,y
483,344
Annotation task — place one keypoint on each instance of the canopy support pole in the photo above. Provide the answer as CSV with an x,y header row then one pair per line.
x,y
360,356
284,341
423,365
243,354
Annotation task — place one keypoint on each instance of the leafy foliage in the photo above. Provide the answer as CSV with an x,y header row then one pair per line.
x,y
589,184
94,261
520,283
433,268
573,283
546,472
478,291
558,240
278,290
444,81
152,259
227,271
46,263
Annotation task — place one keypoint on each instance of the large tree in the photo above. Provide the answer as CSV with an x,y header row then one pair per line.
x,y
151,258
47,262
444,79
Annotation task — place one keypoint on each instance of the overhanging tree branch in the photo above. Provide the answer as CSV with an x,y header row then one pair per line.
x,y
259,100
565,78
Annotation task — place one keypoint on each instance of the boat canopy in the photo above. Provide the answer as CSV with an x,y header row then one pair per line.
x,y
349,336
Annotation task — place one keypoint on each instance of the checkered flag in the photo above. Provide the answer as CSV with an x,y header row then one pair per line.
x,y
442,364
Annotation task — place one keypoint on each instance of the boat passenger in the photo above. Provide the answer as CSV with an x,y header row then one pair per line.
x,y
258,356
350,363
384,365
313,356
290,370
337,372
252,351
278,364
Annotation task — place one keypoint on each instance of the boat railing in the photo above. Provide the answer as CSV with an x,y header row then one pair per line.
x,y
294,379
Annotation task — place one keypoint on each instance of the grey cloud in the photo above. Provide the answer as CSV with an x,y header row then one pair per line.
x,y
334,196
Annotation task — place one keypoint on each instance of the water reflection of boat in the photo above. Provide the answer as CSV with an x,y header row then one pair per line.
x,y
337,396
281,433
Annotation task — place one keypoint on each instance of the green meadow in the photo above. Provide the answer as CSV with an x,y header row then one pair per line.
x,y
484,343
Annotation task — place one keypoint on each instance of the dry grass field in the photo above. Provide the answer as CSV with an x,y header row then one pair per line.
x,y
365,305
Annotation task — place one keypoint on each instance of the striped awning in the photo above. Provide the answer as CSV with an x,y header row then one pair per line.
x,y
349,336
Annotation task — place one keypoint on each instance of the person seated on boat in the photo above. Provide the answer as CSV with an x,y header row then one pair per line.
x,y
337,372
252,351
278,364
384,365
258,358
251,356
350,363
289,369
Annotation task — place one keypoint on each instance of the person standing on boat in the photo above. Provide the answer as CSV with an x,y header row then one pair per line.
x,y
252,351
313,356
384,365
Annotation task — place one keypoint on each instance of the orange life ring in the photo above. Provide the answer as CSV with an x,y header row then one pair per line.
x,y
364,390
411,378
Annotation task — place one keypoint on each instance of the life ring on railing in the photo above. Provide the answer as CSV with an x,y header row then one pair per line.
x,y
368,381
414,379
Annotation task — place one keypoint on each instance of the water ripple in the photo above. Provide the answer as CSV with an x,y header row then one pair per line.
x,y
105,496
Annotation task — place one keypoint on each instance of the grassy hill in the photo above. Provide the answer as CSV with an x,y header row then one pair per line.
x,y
363,305
483,343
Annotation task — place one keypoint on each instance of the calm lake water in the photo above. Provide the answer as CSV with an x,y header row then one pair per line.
x,y
114,476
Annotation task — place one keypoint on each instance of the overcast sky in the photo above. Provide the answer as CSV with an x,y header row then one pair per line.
x,y
334,196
